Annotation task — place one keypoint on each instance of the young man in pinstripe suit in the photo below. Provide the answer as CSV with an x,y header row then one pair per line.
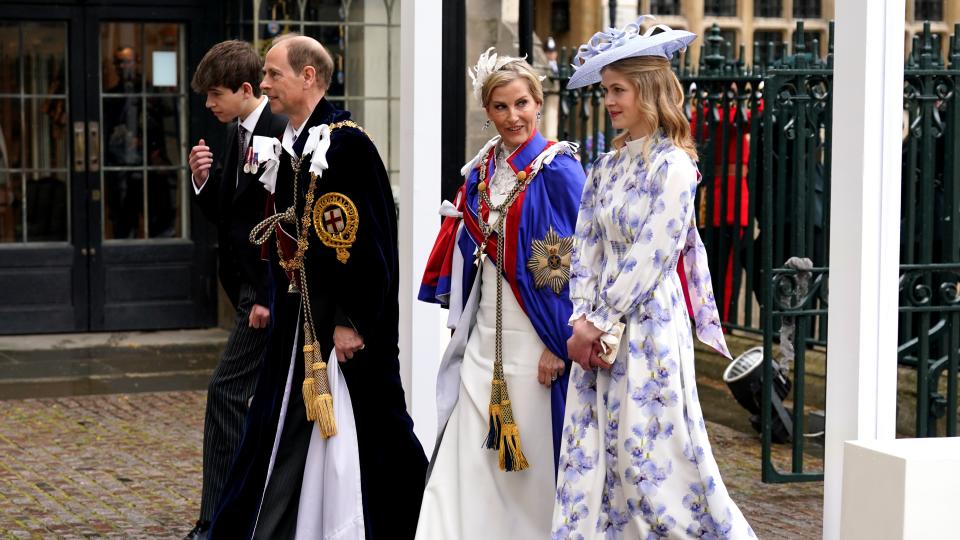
x,y
229,194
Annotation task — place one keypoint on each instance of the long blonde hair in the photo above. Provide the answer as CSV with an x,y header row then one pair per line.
x,y
660,100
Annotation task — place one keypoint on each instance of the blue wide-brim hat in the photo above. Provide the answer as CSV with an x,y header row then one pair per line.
x,y
605,48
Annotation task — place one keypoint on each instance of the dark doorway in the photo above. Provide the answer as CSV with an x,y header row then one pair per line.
x,y
96,231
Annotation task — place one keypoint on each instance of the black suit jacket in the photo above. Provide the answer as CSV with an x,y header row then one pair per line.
x,y
236,202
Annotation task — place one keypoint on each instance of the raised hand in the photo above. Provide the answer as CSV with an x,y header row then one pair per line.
x,y
201,159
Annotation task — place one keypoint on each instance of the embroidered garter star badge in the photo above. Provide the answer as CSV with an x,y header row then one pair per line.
x,y
336,220
550,261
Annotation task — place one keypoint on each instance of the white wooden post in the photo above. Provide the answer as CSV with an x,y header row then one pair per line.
x,y
421,325
864,235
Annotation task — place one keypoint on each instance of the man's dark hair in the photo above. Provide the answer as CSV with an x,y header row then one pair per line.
x,y
229,64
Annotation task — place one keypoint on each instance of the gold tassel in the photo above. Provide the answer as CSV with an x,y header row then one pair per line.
x,y
326,421
308,396
496,419
496,423
323,401
511,456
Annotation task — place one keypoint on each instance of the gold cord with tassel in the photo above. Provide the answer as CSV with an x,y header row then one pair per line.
x,y
504,434
317,398
316,385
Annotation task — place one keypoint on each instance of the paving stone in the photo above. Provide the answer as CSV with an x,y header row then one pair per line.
x,y
128,466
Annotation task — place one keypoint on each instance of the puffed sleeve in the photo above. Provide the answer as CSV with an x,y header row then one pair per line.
x,y
655,248
587,252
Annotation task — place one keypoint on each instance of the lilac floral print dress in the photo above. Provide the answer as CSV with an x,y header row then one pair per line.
x,y
635,462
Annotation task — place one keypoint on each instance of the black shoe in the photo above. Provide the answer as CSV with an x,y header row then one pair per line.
x,y
199,531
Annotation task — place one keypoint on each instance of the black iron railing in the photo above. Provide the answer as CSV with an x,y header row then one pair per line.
x,y
763,132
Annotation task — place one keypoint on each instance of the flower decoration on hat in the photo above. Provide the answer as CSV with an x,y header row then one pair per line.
x,y
614,44
489,63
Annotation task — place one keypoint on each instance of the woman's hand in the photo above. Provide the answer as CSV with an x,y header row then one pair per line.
x,y
550,368
583,347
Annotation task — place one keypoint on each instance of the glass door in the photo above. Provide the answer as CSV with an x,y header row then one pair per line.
x,y
95,216
43,267
148,272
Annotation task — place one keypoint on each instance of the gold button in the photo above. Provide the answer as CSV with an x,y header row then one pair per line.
x,y
522,175
482,186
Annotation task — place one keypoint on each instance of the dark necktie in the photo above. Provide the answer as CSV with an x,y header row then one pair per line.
x,y
241,142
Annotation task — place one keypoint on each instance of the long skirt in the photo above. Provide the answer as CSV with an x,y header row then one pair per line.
x,y
635,461
468,496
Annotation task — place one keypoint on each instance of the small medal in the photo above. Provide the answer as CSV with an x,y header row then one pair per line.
x,y
247,161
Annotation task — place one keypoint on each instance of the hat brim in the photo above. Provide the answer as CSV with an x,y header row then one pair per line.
x,y
664,45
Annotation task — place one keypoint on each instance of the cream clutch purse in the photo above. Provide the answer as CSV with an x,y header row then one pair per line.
x,y
610,343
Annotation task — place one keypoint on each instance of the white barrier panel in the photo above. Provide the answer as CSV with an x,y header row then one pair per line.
x,y
901,489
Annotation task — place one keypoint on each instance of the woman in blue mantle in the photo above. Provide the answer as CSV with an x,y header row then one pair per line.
x,y
635,460
501,264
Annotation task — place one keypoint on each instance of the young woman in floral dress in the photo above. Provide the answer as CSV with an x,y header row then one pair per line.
x,y
635,461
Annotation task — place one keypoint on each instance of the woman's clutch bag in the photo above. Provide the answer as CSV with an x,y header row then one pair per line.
x,y
610,343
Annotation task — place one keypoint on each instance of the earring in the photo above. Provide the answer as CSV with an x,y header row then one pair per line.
x,y
538,116
486,125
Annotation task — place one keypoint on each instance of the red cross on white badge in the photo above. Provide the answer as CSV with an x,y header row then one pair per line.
x,y
333,220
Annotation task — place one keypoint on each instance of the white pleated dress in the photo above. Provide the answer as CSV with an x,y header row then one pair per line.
x,y
468,497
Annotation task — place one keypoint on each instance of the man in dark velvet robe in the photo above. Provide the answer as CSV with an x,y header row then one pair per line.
x,y
355,311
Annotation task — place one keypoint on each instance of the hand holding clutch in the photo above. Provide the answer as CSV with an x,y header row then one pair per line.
x,y
610,343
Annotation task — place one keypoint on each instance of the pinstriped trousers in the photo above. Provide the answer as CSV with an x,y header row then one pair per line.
x,y
230,388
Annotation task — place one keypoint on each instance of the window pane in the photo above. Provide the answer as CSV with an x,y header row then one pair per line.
x,y
9,57
162,59
11,138
367,61
808,37
123,204
163,131
806,9
122,131
768,8
45,51
163,204
325,10
11,207
46,133
121,57
369,11
729,37
47,207
763,39
928,10
332,37
720,8
665,7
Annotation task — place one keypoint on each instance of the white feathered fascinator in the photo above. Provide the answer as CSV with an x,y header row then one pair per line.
x,y
488,63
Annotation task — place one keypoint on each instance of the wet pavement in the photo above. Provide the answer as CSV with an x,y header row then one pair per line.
x,y
107,363
126,464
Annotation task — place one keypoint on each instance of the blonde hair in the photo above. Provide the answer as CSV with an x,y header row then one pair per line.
x,y
660,100
518,69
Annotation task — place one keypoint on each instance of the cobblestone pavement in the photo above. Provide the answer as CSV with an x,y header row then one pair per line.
x,y
128,466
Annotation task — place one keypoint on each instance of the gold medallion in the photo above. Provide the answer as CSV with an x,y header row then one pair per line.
x,y
336,221
550,261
